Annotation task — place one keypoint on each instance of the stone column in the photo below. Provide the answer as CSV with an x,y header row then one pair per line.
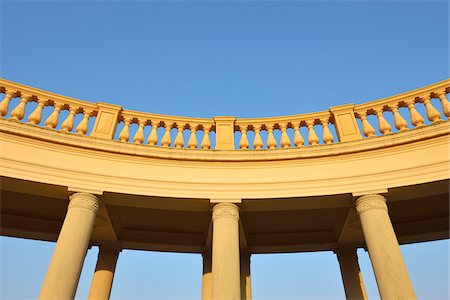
x,y
104,272
67,261
351,274
246,283
207,277
387,261
225,252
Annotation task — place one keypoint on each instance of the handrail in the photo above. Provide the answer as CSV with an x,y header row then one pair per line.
x,y
230,132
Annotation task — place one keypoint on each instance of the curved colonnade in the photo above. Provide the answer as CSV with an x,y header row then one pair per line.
x,y
225,187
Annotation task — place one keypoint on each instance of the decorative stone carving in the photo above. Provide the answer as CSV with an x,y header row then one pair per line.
x,y
373,201
84,200
225,210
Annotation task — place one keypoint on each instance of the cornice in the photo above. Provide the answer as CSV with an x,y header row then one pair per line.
x,y
111,146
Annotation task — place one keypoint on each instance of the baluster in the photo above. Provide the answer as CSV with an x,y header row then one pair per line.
x,y
83,127
298,139
36,116
257,141
312,136
327,137
139,136
445,104
399,121
285,142
19,112
192,142
179,140
124,135
368,130
243,143
432,113
67,125
206,143
4,105
165,142
52,120
271,141
416,118
153,137
383,125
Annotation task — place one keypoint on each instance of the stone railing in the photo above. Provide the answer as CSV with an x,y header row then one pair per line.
x,y
339,124
44,100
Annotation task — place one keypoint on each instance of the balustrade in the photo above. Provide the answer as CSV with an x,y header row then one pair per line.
x,y
391,106
45,100
194,126
402,112
289,129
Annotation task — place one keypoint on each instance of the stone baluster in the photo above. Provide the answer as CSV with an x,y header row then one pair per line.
x,y
83,127
432,113
298,139
192,142
67,125
19,111
206,143
285,142
243,143
52,120
153,137
445,104
165,142
399,121
257,141
4,105
416,118
327,136
139,136
124,135
271,141
312,136
368,130
36,116
179,140
383,125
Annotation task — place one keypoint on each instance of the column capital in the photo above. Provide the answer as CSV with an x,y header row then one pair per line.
x,y
84,200
372,201
225,210
109,249
345,250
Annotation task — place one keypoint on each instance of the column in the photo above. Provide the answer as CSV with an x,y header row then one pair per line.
x,y
67,261
207,277
351,274
104,272
225,252
387,261
246,283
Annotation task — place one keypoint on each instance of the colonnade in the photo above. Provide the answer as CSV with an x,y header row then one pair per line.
x,y
226,271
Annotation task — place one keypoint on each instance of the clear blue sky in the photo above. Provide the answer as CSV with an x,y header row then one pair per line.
x,y
206,58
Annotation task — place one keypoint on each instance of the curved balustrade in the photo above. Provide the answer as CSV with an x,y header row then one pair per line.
x,y
195,126
44,99
338,124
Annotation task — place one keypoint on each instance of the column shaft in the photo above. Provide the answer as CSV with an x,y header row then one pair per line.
x,y
67,261
351,274
225,252
207,277
104,273
384,251
246,283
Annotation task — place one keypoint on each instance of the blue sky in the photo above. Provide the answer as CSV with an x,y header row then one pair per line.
x,y
206,58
